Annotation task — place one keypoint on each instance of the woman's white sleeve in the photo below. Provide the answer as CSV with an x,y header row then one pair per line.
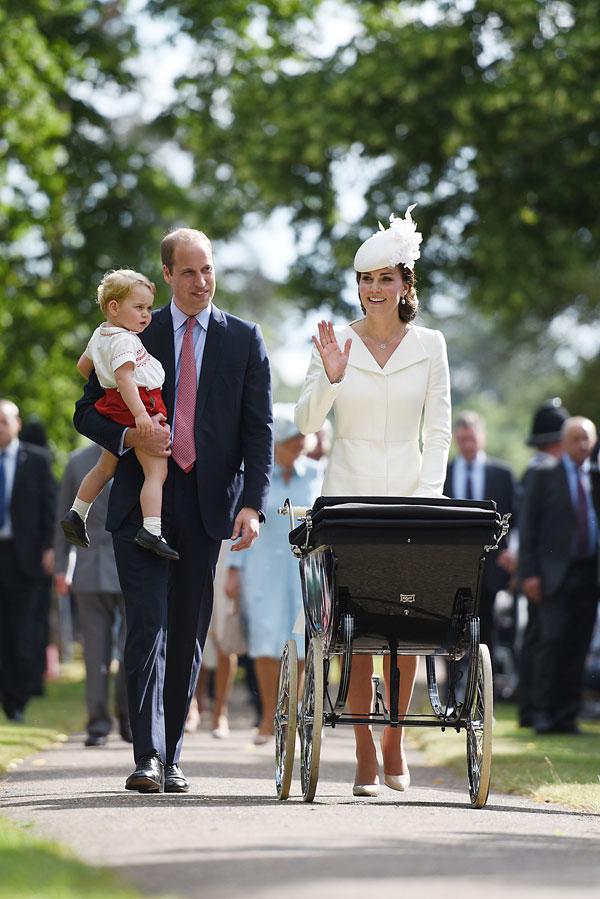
x,y
437,424
316,398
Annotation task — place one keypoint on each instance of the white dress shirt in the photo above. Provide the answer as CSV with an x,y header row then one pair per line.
x,y
10,466
459,477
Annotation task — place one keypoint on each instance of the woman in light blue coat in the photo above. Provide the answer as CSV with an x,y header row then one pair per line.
x,y
267,575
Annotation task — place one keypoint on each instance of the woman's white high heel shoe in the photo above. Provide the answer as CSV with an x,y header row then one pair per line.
x,y
366,789
400,782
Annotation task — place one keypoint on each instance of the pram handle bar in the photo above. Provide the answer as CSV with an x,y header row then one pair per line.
x,y
300,513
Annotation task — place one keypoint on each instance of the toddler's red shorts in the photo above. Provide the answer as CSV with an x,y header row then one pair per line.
x,y
113,406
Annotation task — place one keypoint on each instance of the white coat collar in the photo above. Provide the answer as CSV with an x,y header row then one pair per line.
x,y
410,351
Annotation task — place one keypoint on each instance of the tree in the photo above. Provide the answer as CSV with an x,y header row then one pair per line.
x,y
488,115
78,192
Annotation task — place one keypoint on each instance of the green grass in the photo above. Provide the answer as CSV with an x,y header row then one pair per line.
x,y
563,769
30,867
37,868
47,720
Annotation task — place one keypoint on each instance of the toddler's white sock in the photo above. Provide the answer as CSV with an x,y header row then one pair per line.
x,y
82,508
153,525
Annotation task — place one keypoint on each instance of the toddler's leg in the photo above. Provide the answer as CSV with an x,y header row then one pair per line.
x,y
155,475
97,478
73,524
150,535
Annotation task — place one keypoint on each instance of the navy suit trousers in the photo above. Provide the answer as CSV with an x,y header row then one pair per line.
x,y
565,625
168,606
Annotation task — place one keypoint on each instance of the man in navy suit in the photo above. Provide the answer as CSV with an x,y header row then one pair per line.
x,y
558,564
473,475
27,510
221,416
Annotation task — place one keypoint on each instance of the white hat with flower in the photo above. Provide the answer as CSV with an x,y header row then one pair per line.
x,y
390,246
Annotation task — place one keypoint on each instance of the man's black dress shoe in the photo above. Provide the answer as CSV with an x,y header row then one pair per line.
x,y
95,740
148,777
75,530
157,545
175,781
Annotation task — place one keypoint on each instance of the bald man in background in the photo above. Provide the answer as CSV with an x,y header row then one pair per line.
x,y
27,510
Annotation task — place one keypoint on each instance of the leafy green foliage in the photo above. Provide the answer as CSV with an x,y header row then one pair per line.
x,y
486,114
489,118
77,194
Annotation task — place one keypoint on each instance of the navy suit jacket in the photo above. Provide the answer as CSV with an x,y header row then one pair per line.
x,y
501,487
32,507
233,426
547,527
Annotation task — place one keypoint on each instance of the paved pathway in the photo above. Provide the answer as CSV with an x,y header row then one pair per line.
x,y
230,837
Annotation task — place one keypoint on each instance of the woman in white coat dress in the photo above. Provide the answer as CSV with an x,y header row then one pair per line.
x,y
382,376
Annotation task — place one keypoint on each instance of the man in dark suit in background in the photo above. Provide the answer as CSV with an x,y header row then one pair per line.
x,y
558,566
218,398
546,439
27,511
100,605
472,475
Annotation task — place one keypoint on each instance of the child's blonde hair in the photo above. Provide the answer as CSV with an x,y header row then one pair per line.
x,y
118,284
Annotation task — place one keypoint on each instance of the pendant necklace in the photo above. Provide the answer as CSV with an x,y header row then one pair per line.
x,y
384,344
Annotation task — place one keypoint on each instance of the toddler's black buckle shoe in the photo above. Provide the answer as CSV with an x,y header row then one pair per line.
x,y
75,530
157,545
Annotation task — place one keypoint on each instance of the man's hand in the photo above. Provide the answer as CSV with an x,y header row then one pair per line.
x,y
159,441
61,584
48,561
507,560
246,526
532,588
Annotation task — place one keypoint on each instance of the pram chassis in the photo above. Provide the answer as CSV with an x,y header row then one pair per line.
x,y
341,623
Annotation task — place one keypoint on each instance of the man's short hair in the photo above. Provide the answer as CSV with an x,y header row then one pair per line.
x,y
180,235
469,419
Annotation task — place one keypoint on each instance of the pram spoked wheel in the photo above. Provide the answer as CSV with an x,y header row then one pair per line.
x,y
479,731
286,715
310,722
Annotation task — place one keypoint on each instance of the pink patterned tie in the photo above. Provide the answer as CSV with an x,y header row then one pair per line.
x,y
184,444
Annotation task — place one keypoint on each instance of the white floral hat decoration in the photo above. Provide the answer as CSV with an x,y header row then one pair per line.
x,y
390,246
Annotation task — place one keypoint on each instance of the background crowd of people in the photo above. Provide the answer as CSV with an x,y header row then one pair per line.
x,y
538,604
